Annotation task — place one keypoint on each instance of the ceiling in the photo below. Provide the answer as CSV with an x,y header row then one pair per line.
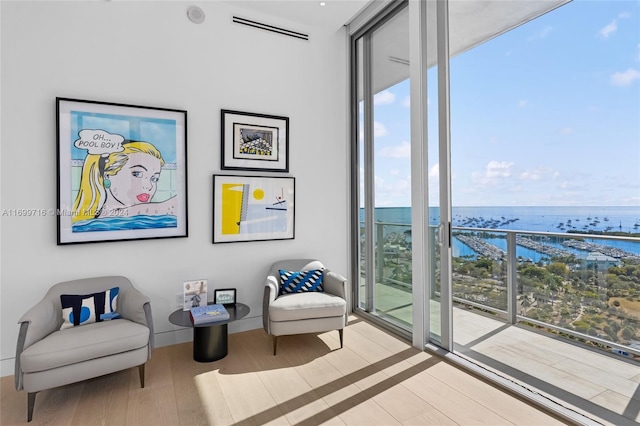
x,y
308,13
471,23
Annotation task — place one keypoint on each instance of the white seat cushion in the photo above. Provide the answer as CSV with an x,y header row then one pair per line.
x,y
83,343
298,306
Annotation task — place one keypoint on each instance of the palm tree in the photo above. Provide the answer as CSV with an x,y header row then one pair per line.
x,y
525,301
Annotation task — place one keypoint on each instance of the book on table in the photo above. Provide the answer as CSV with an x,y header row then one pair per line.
x,y
208,314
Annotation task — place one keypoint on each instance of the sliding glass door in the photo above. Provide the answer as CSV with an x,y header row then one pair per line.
x,y
384,169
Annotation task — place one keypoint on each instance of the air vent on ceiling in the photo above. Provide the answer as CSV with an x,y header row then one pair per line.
x,y
271,28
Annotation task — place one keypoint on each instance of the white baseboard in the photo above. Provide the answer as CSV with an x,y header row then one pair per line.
x,y
7,367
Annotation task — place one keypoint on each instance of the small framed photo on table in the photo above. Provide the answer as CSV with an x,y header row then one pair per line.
x,y
224,296
194,294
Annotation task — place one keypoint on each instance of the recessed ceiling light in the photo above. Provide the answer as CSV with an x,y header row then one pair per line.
x,y
322,3
195,15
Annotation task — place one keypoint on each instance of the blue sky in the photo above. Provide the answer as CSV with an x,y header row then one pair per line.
x,y
547,114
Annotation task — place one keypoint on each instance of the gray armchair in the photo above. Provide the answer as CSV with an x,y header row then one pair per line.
x,y
47,357
308,312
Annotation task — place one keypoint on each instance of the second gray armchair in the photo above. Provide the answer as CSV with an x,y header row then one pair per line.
x,y
301,312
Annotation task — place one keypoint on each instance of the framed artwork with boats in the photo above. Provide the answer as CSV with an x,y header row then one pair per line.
x,y
253,208
253,141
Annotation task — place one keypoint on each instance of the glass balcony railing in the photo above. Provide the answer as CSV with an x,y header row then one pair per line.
x,y
583,287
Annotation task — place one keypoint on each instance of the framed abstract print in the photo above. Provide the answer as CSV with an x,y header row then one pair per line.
x,y
253,208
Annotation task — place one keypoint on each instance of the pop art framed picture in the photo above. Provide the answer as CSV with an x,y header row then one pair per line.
x,y
253,208
121,172
253,141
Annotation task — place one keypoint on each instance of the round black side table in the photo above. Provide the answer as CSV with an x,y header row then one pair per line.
x,y
210,341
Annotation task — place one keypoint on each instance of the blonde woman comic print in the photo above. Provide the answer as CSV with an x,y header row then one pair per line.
x,y
119,179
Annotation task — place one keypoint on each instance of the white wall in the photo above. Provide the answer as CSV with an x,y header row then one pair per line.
x,y
149,53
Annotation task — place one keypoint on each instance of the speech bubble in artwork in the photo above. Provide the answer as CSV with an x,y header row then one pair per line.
x,y
99,142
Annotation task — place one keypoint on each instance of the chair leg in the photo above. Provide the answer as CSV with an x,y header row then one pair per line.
x,y
275,344
341,331
31,401
141,371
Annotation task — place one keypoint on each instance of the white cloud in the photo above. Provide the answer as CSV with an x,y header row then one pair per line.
x,y
498,169
402,186
399,151
625,78
393,192
541,34
545,32
379,129
495,173
384,98
394,172
406,102
567,131
540,174
434,182
569,186
522,104
533,174
434,172
624,15
609,29
629,201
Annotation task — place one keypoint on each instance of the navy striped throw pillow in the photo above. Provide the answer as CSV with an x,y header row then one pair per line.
x,y
300,281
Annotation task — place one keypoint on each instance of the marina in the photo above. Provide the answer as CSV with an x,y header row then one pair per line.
x,y
541,247
623,221
490,251
606,250
482,247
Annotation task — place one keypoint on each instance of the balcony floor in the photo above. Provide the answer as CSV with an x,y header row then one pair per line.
x,y
591,381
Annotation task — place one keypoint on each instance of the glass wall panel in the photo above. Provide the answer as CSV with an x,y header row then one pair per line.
x,y
385,170
361,246
541,128
436,231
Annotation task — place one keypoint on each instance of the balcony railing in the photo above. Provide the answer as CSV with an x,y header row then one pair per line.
x,y
581,286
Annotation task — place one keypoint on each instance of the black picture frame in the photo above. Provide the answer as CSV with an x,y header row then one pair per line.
x,y
225,296
252,141
138,153
253,208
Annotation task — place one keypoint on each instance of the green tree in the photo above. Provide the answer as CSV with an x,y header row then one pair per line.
x,y
485,264
557,268
628,333
534,272
610,333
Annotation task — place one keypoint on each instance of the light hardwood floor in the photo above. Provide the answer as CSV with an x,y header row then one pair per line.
x,y
376,379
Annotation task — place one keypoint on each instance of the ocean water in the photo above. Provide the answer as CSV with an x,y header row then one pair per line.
x,y
126,223
536,218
